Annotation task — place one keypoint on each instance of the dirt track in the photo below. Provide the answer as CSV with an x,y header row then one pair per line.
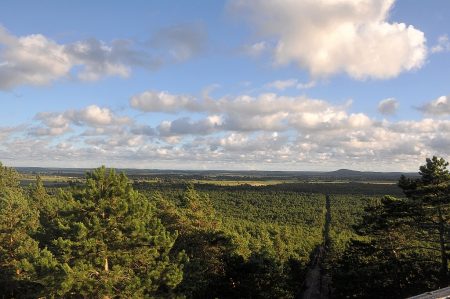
x,y
317,281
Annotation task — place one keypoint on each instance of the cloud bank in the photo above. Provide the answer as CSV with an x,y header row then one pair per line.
x,y
267,131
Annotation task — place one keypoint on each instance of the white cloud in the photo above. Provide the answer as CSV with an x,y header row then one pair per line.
x,y
353,140
31,59
184,126
266,112
443,45
306,85
256,49
38,60
98,60
388,106
249,145
7,132
250,123
437,107
282,84
143,130
162,101
264,131
54,123
96,116
329,37
49,131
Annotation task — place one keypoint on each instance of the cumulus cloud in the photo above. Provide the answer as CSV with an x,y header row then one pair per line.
x,y
163,101
95,116
55,123
185,125
31,59
437,107
329,37
250,144
98,59
38,60
49,131
340,139
263,104
265,112
144,130
403,144
443,45
263,131
7,132
388,106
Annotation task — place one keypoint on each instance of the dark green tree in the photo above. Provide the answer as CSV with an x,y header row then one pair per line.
x,y
111,244
24,268
200,236
369,270
259,276
387,261
430,208
404,250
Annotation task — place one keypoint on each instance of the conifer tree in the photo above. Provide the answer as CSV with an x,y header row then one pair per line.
x,y
23,266
111,244
430,195
200,236
406,239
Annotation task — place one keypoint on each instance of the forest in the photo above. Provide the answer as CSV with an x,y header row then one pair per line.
x,y
111,236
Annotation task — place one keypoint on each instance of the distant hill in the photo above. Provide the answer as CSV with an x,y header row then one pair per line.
x,y
341,174
372,175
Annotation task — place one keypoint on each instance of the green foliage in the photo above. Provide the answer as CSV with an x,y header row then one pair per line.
x,y
369,271
435,171
199,236
259,276
429,209
259,219
110,242
386,260
346,212
224,228
100,238
23,266
400,246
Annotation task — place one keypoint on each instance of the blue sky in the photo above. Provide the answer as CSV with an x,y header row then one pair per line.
x,y
270,85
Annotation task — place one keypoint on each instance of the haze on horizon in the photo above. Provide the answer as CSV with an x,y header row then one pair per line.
x,y
275,85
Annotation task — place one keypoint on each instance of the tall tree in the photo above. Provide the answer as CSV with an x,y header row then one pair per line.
x,y
200,237
431,208
387,261
406,240
23,266
111,243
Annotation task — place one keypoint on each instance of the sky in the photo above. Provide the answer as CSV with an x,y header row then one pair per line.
x,y
235,84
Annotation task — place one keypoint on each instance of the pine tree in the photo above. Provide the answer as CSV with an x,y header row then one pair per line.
x,y
111,243
23,266
200,237
431,208
402,240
